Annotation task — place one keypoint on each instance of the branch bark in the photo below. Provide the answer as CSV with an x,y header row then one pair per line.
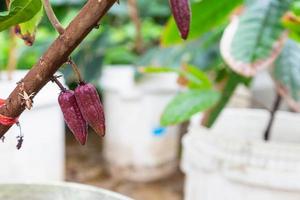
x,y
56,55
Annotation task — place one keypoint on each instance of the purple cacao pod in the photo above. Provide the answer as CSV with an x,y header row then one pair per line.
x,y
182,15
91,107
73,116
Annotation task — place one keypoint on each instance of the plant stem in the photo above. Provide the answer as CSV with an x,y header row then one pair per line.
x,y
76,70
227,87
58,83
55,56
12,57
273,112
134,15
52,17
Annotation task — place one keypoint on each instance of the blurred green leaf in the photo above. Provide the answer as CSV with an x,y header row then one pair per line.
x,y
30,26
203,53
196,78
292,22
20,11
69,2
258,38
287,69
150,69
186,104
206,14
296,7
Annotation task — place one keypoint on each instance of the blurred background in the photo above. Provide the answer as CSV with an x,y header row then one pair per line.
x,y
154,87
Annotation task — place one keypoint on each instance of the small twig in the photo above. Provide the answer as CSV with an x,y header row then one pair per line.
x,y
134,15
75,69
58,83
273,111
52,17
12,58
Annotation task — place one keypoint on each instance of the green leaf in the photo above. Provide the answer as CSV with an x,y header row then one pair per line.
x,y
196,78
287,70
186,104
20,11
292,23
29,27
296,7
206,14
151,69
255,39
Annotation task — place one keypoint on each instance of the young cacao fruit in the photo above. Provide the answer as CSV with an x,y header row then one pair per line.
x,y
181,12
90,106
73,116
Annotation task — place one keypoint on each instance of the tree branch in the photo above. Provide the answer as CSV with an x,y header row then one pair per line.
x,y
56,55
134,15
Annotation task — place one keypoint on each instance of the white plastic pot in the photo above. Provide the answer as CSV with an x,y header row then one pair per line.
x,y
136,147
231,162
57,191
41,157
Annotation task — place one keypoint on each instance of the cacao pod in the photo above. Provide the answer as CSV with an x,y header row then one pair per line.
x,y
181,12
91,107
73,116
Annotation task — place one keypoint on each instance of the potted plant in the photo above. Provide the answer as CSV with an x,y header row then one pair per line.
x,y
246,153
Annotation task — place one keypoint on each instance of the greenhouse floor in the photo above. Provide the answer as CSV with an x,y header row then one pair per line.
x,y
85,165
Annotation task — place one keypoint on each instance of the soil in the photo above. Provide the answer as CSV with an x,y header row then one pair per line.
x,y
85,164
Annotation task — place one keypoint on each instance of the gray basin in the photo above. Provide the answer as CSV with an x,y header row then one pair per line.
x,y
61,191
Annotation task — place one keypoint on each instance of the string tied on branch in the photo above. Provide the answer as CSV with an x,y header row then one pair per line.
x,y
5,120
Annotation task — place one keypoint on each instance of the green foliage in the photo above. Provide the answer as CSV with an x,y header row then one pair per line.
x,y
20,11
296,7
195,79
287,69
203,53
186,104
206,14
30,26
292,23
258,29
199,96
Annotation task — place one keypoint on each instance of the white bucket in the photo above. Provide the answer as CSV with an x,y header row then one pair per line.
x,y
231,162
56,191
136,147
41,157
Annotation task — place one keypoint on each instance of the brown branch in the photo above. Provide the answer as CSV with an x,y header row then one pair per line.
x,y
52,17
134,15
56,55
12,57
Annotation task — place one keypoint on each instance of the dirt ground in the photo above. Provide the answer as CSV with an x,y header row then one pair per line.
x,y
86,165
